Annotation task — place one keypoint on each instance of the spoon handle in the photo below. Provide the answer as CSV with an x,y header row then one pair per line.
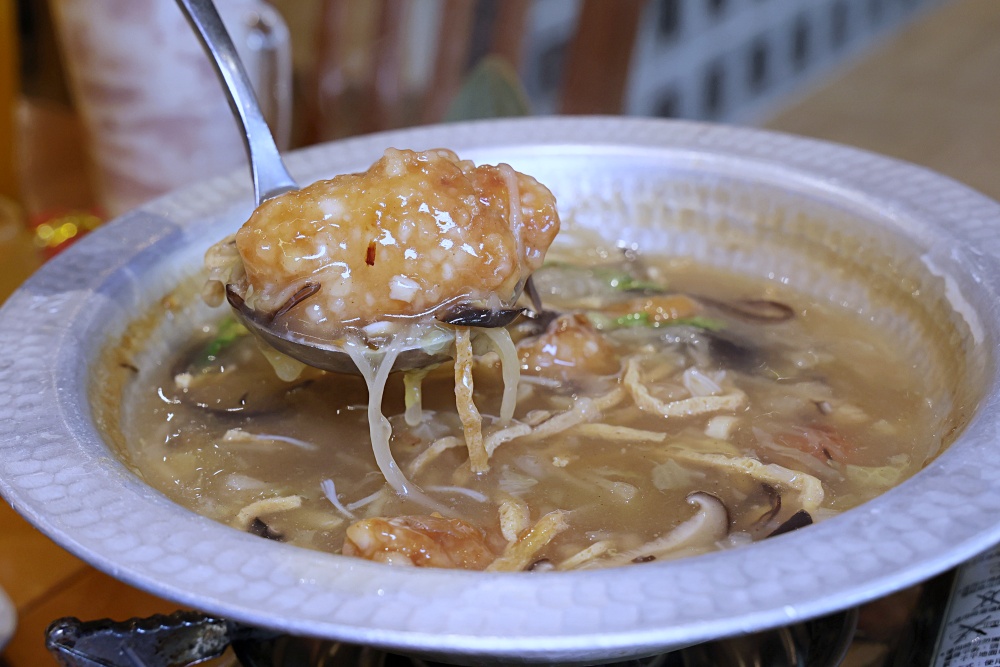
x,y
270,177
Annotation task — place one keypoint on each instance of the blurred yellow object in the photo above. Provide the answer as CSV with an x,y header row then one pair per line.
x,y
8,97
52,234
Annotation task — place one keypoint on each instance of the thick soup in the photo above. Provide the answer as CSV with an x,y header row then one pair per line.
x,y
662,410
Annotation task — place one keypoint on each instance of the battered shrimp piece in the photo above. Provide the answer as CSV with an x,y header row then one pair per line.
x,y
415,231
424,541
570,348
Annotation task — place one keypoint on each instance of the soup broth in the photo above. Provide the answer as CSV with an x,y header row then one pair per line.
x,y
663,410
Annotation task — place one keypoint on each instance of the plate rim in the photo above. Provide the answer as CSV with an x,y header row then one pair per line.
x,y
906,189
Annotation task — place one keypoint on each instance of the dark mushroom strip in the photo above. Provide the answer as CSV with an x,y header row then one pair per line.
x,y
264,319
474,316
261,529
762,311
808,490
535,323
303,293
236,301
709,525
541,565
533,295
800,519
728,352
775,499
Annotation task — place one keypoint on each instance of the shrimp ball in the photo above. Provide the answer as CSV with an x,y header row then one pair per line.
x,y
414,232
569,349
424,541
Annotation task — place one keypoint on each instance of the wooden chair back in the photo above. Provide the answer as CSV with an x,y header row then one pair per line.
x,y
358,81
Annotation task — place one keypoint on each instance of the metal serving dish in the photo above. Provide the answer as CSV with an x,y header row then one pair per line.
x,y
912,250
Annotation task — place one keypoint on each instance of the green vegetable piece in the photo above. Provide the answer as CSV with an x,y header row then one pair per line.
x,y
644,286
698,321
229,332
643,319
613,277
601,321
640,319
616,278
624,281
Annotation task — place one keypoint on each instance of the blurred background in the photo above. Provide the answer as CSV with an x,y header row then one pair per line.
x,y
105,104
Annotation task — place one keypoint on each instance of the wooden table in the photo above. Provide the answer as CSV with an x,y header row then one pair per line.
x,y
929,96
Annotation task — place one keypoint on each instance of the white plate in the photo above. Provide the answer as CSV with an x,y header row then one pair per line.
x,y
56,469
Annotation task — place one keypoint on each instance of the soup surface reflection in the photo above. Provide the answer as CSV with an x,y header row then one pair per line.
x,y
663,410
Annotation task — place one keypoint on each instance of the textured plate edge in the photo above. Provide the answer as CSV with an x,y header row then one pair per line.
x,y
544,644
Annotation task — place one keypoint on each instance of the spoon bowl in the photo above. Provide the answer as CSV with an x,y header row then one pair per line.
x,y
321,354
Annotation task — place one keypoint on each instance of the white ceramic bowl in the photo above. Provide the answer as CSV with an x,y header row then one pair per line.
x,y
898,244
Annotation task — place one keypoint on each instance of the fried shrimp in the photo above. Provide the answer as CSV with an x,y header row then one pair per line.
x,y
423,541
413,232
569,348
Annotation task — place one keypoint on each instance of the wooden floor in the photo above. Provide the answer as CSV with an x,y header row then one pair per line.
x,y
931,96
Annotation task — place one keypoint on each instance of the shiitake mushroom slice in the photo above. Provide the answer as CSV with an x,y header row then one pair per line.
x,y
800,519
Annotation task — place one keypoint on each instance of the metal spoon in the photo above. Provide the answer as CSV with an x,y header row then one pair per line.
x,y
270,179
